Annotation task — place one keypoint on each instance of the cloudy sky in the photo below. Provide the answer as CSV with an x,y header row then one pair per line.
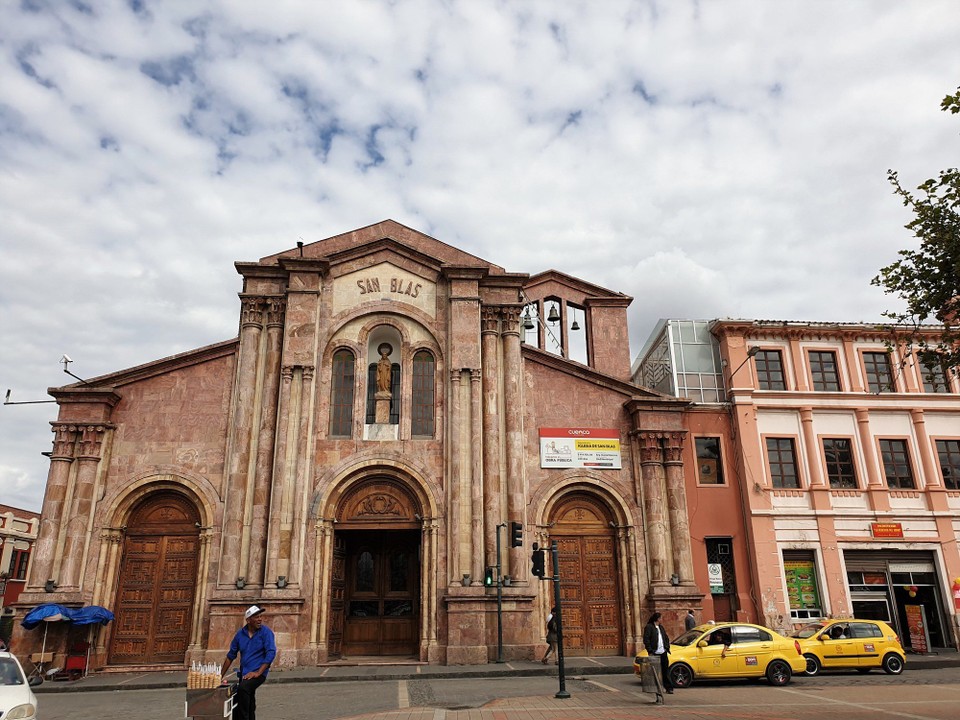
x,y
713,158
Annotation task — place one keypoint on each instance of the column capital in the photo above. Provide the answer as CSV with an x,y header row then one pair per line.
x,y
251,310
91,441
510,315
489,320
275,308
64,439
650,447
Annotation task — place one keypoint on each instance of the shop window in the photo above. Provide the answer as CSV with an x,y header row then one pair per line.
x,y
876,367
782,459
709,465
839,460
948,452
896,464
341,393
803,594
769,367
824,372
424,384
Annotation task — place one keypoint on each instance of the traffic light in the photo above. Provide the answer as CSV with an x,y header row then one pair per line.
x,y
488,577
537,558
516,534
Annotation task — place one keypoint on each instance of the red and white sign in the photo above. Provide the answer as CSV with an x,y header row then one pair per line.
x,y
886,530
580,447
917,628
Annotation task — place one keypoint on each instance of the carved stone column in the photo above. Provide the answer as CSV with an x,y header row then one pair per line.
x,y
274,308
294,498
81,507
489,343
652,471
456,480
240,465
283,459
44,564
476,476
677,507
513,409
927,460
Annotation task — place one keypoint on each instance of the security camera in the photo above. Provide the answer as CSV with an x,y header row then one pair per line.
x,y
66,359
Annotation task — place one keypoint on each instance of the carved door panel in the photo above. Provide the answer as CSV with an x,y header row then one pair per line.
x,y
382,593
337,586
589,587
157,583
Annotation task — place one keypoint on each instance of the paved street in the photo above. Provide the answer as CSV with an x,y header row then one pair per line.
x,y
921,695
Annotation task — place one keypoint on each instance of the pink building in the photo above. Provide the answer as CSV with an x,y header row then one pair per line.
x,y
18,532
849,460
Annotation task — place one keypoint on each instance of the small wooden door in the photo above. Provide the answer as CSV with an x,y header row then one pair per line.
x,y
382,593
338,583
589,589
157,583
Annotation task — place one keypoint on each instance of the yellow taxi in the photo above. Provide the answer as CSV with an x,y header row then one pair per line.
x,y
731,650
850,643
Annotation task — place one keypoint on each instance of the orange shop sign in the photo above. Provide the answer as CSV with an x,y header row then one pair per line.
x,y
886,530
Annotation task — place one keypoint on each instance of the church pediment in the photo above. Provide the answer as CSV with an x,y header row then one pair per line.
x,y
384,282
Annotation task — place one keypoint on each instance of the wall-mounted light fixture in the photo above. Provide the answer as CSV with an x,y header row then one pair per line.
x,y
281,581
50,585
674,579
506,581
241,583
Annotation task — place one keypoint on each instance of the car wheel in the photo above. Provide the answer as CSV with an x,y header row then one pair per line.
x,y
864,671
892,664
813,665
681,675
778,673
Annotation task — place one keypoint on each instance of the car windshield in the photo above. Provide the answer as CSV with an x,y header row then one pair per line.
x,y
688,638
808,630
10,672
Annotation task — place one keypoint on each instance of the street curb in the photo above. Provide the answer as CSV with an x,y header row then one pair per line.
x,y
281,677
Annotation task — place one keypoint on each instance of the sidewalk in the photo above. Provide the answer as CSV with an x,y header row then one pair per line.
x,y
379,670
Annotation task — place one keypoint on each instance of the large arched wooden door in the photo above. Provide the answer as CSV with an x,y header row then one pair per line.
x,y
157,583
378,537
589,588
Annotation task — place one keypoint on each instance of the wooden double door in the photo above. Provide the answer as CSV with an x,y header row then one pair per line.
x,y
589,587
381,581
157,583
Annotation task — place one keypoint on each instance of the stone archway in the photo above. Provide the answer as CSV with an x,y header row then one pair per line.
x,y
375,594
157,582
589,588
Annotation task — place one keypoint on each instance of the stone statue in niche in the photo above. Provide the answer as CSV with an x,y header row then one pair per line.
x,y
383,367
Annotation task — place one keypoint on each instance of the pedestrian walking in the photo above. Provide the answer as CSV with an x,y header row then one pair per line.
x,y
657,643
551,636
690,622
257,647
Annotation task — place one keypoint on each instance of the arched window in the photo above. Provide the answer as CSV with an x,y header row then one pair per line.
x,y
423,394
341,393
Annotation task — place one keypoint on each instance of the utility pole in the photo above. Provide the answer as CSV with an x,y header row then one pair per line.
x,y
562,693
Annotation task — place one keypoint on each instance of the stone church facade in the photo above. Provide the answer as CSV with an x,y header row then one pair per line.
x,y
353,460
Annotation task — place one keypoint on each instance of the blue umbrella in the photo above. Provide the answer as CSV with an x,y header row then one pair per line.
x,y
48,612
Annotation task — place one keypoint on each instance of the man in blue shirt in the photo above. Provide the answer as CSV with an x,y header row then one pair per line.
x,y
257,648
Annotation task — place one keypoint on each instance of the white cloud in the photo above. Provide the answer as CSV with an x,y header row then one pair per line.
x,y
708,158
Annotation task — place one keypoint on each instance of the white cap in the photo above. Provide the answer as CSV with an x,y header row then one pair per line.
x,y
251,611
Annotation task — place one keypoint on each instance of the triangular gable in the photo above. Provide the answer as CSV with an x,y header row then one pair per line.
x,y
388,229
157,367
555,277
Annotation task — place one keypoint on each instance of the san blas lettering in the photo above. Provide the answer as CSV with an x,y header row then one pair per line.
x,y
397,285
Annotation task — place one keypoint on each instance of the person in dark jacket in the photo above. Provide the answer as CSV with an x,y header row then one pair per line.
x,y
657,643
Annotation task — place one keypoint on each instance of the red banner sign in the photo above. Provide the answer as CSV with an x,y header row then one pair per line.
x,y
886,530
915,626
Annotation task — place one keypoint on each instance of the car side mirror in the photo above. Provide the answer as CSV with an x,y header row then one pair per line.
x,y
34,681
702,643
